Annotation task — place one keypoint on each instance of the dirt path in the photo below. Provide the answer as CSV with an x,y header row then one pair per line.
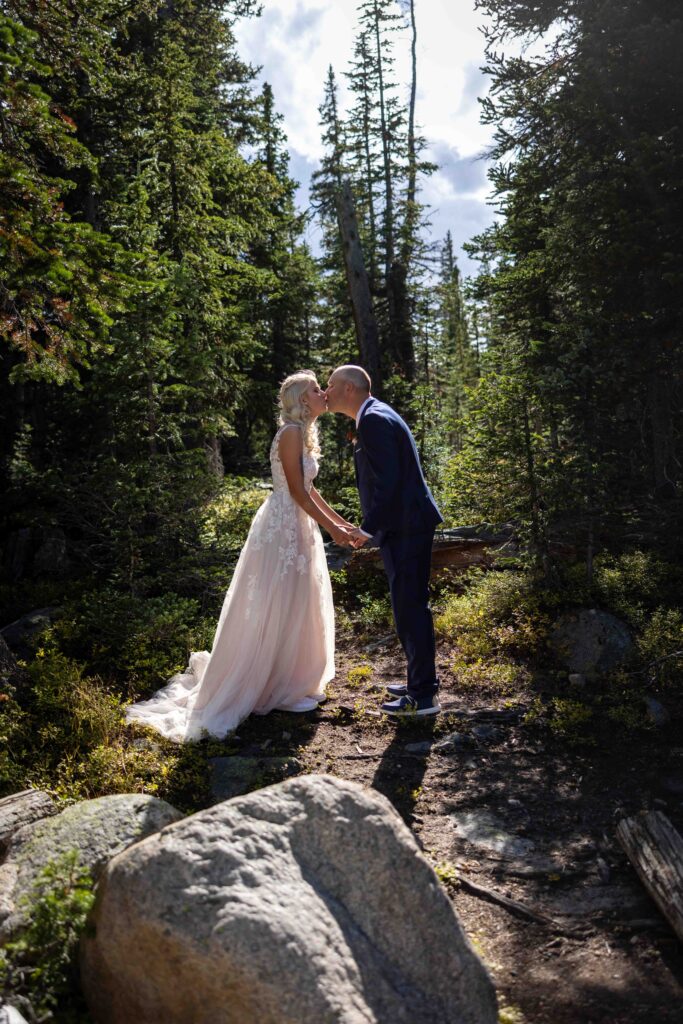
x,y
540,821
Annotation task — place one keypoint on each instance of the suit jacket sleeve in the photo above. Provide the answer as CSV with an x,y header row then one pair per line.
x,y
380,446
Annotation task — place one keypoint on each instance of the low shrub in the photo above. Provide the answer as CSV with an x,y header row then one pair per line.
x,y
41,964
498,614
660,645
359,675
490,675
141,641
71,739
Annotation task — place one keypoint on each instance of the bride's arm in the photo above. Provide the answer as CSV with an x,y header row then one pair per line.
x,y
291,449
329,511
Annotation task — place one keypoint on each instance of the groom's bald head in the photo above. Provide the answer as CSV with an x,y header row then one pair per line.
x,y
354,375
347,389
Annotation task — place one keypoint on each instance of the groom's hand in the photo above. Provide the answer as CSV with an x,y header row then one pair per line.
x,y
358,538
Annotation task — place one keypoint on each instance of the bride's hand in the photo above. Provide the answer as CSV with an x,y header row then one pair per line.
x,y
341,536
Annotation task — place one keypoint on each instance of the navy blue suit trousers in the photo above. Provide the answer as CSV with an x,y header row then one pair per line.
x,y
400,513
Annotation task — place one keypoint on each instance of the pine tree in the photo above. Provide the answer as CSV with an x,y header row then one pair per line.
x,y
583,279
55,292
163,105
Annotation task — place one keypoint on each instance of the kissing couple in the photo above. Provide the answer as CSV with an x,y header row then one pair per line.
x,y
274,643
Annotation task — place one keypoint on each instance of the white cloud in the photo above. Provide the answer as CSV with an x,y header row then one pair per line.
x,y
294,41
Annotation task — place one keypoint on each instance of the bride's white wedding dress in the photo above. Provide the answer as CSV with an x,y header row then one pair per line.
x,y
274,643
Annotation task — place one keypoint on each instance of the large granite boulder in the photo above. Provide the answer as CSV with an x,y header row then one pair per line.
x,y
21,809
307,902
589,641
97,829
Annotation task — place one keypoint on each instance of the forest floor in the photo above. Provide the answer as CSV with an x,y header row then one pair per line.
x,y
511,812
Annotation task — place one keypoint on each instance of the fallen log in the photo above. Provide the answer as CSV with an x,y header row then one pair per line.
x,y
655,849
446,554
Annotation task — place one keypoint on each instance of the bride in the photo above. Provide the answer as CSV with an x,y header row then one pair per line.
x,y
274,642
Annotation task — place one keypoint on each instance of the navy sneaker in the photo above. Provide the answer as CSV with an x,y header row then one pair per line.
x,y
397,689
411,707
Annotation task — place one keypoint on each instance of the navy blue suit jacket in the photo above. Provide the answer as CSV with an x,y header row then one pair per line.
x,y
394,495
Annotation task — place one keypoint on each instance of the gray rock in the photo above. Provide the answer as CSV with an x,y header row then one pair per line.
x,y
22,809
98,829
486,733
656,712
306,903
578,680
452,743
235,776
51,558
518,807
487,832
145,743
600,898
422,747
21,633
493,716
589,641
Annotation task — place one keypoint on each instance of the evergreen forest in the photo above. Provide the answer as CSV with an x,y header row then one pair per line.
x,y
156,286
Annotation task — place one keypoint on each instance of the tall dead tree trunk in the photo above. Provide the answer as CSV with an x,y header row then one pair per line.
x,y
411,190
367,333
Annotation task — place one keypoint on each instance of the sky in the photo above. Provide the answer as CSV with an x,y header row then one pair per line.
x,y
294,42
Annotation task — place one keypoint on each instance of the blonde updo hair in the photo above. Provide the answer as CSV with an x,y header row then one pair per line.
x,y
294,410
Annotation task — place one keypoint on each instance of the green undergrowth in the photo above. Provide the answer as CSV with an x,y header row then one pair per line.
x,y
41,964
498,625
137,641
361,602
67,732
69,737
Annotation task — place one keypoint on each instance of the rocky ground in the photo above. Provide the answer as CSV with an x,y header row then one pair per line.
x,y
521,828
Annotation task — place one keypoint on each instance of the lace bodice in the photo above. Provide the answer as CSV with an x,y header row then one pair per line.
x,y
279,478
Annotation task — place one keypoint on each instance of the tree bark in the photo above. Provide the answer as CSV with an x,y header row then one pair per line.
x,y
367,333
655,849
411,191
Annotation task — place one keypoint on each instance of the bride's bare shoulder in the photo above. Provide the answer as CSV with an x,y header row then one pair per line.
x,y
290,438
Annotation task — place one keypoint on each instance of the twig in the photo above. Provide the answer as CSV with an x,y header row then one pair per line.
x,y
518,909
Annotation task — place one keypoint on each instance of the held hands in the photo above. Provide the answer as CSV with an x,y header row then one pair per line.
x,y
348,536
356,536
341,535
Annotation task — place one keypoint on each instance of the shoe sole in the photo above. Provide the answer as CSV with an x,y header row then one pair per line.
x,y
412,713
297,711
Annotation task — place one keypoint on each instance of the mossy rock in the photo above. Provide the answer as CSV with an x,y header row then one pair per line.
x,y
97,829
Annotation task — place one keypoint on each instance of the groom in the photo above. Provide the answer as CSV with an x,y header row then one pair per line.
x,y
401,515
